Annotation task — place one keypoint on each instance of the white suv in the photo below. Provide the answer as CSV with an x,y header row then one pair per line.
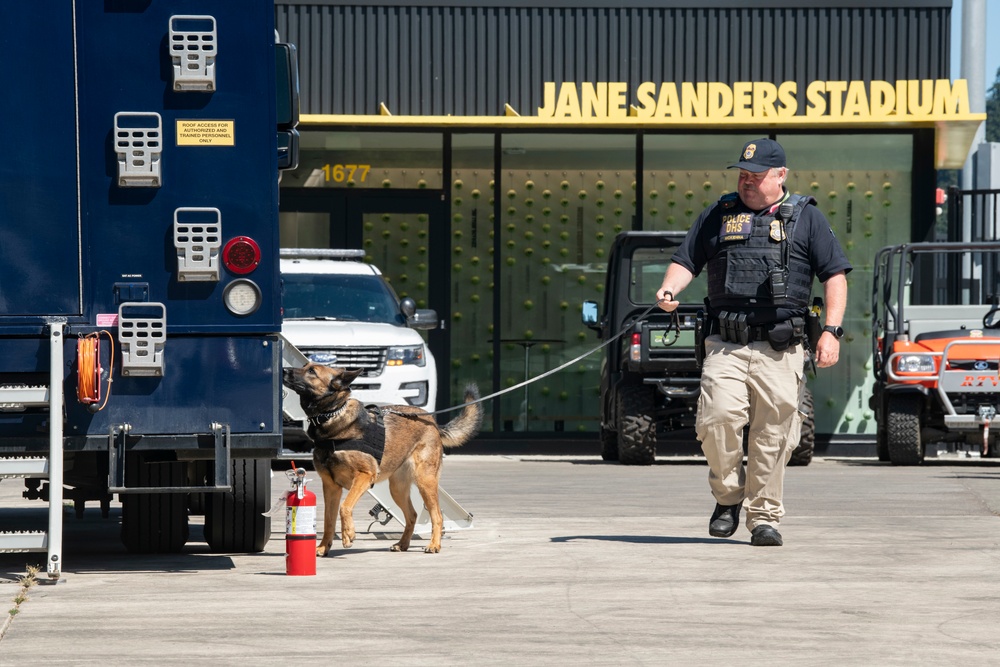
x,y
339,311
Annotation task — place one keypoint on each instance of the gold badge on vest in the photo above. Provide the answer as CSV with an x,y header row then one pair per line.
x,y
777,231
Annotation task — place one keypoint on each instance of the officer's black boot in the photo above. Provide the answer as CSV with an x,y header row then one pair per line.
x,y
725,520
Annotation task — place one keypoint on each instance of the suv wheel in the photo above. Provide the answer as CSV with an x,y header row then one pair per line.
x,y
636,426
903,426
803,454
609,444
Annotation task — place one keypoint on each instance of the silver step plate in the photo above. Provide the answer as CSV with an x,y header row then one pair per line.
x,y
24,467
18,397
11,543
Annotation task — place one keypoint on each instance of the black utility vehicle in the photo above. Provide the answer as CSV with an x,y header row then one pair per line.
x,y
650,376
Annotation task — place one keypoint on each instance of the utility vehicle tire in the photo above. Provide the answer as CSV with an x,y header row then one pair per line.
x,y
609,444
882,441
636,426
903,426
803,454
154,523
234,520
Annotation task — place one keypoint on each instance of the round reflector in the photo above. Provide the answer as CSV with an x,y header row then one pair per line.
x,y
241,255
242,297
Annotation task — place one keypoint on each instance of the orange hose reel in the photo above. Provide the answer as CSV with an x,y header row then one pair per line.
x,y
88,370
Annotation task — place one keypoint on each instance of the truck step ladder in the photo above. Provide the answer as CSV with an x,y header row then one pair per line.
x,y
50,468
454,516
291,357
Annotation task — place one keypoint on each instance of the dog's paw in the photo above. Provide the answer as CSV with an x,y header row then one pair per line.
x,y
398,546
432,549
322,551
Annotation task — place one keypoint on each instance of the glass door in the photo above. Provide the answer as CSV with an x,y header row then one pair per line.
x,y
403,232
405,235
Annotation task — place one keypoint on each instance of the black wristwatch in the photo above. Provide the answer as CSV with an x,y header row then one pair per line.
x,y
836,331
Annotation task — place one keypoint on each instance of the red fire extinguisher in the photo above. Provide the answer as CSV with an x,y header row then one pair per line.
x,y
300,526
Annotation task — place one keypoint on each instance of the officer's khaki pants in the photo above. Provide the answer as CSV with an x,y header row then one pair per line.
x,y
749,384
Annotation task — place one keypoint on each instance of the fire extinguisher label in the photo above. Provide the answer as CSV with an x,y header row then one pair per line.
x,y
301,520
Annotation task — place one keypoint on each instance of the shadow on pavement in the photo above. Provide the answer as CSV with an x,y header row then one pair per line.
x,y
647,539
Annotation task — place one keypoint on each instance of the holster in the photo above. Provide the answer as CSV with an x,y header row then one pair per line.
x,y
782,335
699,337
814,328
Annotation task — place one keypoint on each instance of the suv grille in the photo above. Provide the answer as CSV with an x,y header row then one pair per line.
x,y
370,359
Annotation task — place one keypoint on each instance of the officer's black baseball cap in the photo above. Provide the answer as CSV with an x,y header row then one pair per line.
x,y
760,155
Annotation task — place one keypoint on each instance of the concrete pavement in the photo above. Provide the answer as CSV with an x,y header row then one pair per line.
x,y
571,561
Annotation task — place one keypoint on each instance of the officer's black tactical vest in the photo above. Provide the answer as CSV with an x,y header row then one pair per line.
x,y
739,274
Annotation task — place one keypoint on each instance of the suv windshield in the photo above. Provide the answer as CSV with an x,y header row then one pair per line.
x,y
338,297
648,267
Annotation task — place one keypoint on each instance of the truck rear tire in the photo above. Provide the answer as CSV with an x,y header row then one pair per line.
x,y
235,520
154,522
803,454
903,430
609,444
636,426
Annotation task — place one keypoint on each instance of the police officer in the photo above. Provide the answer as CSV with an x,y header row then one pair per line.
x,y
762,246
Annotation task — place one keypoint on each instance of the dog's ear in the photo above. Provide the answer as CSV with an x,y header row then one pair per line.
x,y
346,378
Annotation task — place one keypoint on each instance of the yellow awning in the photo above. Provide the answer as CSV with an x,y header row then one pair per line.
x,y
954,134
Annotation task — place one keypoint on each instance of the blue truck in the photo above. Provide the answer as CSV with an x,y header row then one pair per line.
x,y
140,348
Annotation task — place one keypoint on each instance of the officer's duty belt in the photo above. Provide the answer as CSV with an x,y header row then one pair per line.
x,y
733,328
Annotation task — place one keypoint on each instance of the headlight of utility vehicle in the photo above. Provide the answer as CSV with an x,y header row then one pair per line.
x,y
915,363
403,356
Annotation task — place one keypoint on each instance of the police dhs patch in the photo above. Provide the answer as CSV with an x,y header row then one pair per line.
x,y
777,231
748,153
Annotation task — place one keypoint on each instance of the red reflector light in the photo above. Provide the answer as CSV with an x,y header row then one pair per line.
x,y
636,339
241,255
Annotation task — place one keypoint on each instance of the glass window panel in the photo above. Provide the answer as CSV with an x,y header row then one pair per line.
x,y
684,174
397,244
563,198
472,290
862,184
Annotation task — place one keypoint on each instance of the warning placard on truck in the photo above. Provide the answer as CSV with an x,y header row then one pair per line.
x,y
205,133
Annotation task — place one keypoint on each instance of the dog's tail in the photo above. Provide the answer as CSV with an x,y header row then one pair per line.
x,y
465,426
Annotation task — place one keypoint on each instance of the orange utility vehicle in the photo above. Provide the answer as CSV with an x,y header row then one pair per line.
x,y
936,349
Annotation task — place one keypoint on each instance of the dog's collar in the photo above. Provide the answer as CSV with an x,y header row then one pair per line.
x,y
322,418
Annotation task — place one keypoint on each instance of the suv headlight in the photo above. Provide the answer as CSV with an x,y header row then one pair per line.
x,y
404,356
915,363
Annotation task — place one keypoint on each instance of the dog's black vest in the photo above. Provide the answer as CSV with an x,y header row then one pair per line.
x,y
373,440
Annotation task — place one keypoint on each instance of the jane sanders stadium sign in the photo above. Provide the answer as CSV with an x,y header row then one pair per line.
x,y
751,105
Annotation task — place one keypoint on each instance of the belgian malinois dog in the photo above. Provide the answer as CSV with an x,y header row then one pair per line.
x,y
353,451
